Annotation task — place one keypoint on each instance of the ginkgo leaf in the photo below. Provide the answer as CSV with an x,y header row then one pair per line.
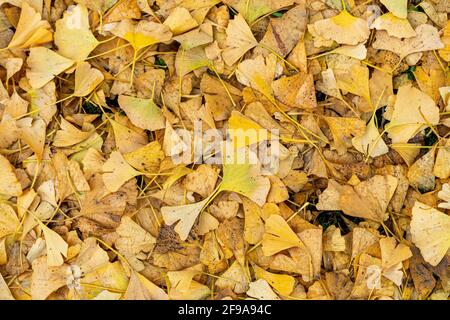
x,y
197,37
180,21
261,290
253,9
253,224
408,151
9,222
342,129
74,28
30,30
258,74
127,138
190,60
132,241
46,279
147,158
278,236
355,80
445,52
69,135
116,171
44,65
427,38
430,231
395,27
240,39
11,64
420,174
56,246
371,143
182,280
444,194
358,52
367,199
343,28
186,215
234,278
86,79
282,283
392,254
413,111
397,7
140,288
34,133
143,34
9,184
245,179
143,113
244,131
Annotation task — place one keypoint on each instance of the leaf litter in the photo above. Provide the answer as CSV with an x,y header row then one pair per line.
x,y
96,101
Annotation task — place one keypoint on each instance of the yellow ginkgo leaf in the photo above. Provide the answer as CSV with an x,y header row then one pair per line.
x,y
430,231
398,7
371,143
282,283
197,291
30,30
261,290
143,34
240,39
181,280
86,79
234,278
69,135
74,28
253,224
190,60
44,65
9,184
147,158
392,254
427,38
143,113
8,220
56,246
413,111
258,74
253,9
355,80
180,20
430,82
408,151
441,168
127,139
245,179
445,52
116,171
186,215
33,133
343,28
395,27
140,288
244,131
342,129
99,6
278,236
177,173
358,52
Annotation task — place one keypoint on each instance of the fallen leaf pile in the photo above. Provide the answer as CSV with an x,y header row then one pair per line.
x,y
354,204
